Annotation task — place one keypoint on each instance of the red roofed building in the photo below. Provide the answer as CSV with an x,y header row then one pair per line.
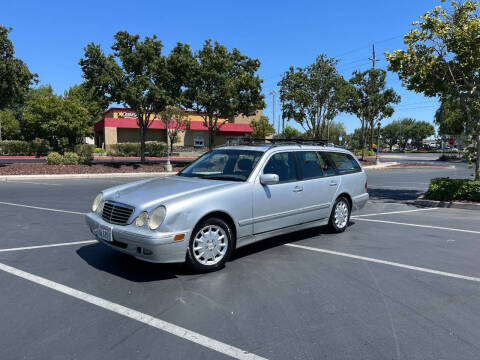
x,y
119,125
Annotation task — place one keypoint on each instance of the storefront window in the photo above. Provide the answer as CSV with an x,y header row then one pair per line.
x,y
198,141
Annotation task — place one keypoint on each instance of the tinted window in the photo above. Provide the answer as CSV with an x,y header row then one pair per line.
x,y
327,164
235,165
344,163
282,164
310,164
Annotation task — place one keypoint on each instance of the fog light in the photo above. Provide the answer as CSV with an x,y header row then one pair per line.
x,y
147,252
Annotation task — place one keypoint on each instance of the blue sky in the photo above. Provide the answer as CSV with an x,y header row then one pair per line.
x,y
50,35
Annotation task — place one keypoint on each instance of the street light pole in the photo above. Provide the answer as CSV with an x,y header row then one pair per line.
x,y
273,93
168,166
377,161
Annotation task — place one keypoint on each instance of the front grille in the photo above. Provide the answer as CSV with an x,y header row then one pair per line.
x,y
116,213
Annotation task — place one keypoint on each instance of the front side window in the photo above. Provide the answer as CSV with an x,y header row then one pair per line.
x,y
344,163
282,164
310,164
224,164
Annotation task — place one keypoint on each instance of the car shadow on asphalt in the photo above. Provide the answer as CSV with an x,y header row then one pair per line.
x,y
400,195
125,266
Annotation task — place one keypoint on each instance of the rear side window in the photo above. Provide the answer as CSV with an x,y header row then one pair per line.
x,y
282,164
327,164
344,163
310,164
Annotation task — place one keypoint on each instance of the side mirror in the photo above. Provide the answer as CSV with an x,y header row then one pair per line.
x,y
269,179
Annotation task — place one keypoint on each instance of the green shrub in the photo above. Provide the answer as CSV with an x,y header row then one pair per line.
x,y
70,158
84,152
367,152
152,148
39,147
98,151
54,158
446,189
15,147
125,149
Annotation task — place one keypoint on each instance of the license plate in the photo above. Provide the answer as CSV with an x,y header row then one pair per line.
x,y
104,233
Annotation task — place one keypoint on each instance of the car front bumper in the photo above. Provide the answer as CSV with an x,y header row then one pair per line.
x,y
151,246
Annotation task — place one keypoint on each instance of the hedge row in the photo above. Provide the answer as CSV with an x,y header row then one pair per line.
x,y
69,158
367,152
446,189
36,147
133,149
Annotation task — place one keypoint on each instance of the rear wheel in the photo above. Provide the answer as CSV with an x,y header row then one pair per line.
x,y
210,245
340,215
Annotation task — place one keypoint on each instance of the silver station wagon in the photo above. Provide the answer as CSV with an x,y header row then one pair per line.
x,y
228,198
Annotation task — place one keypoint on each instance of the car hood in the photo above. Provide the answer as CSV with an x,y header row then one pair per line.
x,y
147,193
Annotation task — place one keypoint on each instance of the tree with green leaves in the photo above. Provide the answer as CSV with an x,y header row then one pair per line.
x,y
443,58
49,116
290,133
391,133
370,100
135,74
9,125
262,128
178,123
218,83
88,100
15,77
314,95
419,131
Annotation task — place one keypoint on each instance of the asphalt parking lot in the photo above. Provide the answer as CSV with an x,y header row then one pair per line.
x,y
401,283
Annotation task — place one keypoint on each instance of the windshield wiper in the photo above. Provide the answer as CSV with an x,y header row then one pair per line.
x,y
224,177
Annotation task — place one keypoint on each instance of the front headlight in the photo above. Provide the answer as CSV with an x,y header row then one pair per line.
x,y
96,202
141,219
157,217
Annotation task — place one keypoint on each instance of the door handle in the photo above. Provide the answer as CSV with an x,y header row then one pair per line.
x,y
297,189
333,183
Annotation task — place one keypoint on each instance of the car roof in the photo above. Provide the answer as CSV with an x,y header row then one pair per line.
x,y
283,147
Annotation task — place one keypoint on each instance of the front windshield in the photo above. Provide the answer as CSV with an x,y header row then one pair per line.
x,y
224,164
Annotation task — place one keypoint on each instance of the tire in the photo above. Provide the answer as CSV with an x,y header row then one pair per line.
x,y
210,246
339,219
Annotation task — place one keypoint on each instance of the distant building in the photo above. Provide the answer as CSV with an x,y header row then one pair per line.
x,y
119,125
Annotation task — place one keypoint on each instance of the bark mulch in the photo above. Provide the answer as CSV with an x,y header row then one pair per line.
x,y
104,168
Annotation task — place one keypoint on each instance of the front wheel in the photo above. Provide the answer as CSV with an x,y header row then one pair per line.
x,y
211,244
340,215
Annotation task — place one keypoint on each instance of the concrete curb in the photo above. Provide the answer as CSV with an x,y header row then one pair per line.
x,y
6,178
380,166
421,201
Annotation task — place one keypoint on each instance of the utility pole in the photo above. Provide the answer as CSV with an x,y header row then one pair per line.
x,y
374,62
273,93
373,58
279,123
377,160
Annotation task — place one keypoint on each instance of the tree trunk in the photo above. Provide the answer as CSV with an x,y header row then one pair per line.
x,y
372,134
363,140
142,142
211,133
477,165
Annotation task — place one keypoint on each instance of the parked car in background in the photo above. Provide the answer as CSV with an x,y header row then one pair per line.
x,y
228,198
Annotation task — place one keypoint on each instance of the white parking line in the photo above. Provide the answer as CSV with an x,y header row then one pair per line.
x,y
42,208
393,212
170,328
379,261
30,182
422,226
48,245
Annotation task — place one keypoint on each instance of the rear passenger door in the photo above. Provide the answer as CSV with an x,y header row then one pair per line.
x,y
320,182
279,205
353,179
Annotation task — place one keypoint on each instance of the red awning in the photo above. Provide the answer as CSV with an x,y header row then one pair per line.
x,y
129,123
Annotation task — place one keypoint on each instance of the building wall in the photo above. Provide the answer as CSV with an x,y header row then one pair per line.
x,y
248,119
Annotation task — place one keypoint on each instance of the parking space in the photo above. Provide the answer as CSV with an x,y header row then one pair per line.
x,y
401,283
